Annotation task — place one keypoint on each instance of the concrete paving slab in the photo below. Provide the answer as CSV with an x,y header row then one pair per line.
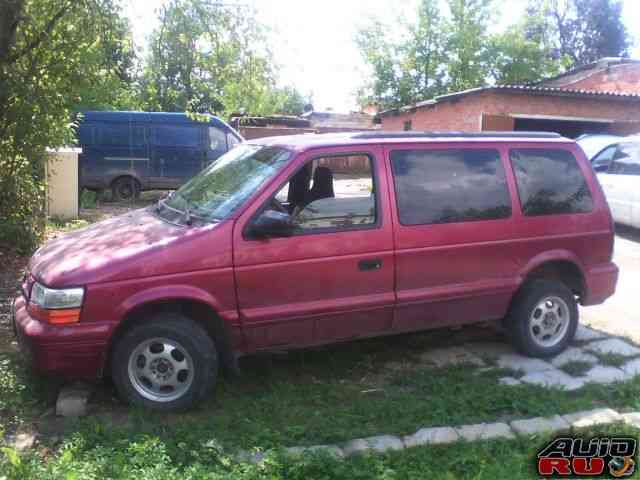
x,y
588,418
604,375
631,368
613,345
587,334
553,379
573,354
516,361
431,436
531,426
631,418
484,431
509,381
380,443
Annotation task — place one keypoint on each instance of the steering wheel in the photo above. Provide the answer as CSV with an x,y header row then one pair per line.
x,y
277,206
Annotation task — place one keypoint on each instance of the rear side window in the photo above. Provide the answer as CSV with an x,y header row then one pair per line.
x,y
445,186
550,182
177,136
626,161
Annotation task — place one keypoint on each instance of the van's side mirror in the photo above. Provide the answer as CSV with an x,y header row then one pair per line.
x,y
272,224
602,168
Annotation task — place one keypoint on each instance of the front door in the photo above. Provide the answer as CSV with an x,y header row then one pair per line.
x,y
333,279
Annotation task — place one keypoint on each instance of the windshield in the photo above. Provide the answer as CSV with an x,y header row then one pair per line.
x,y
220,189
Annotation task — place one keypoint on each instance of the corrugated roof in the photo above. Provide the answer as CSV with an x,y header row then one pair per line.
x,y
531,89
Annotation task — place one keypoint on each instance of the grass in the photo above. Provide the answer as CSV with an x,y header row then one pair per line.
x,y
117,454
330,395
576,368
62,225
611,359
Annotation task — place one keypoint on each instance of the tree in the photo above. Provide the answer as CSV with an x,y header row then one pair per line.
x,y
55,56
210,57
467,64
516,59
579,32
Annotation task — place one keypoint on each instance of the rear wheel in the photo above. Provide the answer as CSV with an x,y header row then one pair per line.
x,y
167,363
543,318
125,188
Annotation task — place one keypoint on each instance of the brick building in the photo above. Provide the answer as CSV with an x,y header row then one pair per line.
x,y
603,97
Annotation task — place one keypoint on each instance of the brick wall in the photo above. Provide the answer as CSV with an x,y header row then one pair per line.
x,y
465,113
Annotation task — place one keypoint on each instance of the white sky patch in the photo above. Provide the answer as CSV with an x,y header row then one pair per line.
x,y
313,42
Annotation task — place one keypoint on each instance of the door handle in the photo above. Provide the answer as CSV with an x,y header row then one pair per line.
x,y
370,264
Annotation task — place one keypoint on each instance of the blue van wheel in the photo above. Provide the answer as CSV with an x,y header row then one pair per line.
x,y
125,188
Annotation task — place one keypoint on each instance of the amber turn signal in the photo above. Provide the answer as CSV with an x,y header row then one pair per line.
x,y
62,316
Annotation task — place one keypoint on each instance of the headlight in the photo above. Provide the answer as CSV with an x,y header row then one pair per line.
x,y
49,299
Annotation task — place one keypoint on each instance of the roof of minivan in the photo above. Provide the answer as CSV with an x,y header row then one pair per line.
x,y
146,117
314,140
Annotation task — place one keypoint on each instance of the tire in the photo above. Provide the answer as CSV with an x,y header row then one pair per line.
x,y
166,363
124,189
543,318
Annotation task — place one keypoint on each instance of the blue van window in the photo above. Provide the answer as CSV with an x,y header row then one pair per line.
x,y
113,134
217,140
177,136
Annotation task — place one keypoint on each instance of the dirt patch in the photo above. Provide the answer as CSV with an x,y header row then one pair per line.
x,y
11,274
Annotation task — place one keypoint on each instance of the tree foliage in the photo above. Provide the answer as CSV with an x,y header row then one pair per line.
x,y
210,57
451,49
578,32
55,56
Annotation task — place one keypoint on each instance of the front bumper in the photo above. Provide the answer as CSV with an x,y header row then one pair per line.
x,y
75,351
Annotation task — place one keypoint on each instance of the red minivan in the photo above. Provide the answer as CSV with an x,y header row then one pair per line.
x,y
295,241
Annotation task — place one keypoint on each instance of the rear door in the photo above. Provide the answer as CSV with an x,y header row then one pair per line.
x,y
452,212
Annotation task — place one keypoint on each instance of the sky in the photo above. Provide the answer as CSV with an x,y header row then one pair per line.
x,y
312,41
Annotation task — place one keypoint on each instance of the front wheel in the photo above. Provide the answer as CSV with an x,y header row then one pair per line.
x,y
543,318
167,363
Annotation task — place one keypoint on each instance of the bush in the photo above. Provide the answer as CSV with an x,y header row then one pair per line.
x,y
22,200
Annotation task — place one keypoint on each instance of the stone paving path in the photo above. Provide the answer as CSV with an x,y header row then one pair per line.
x,y
601,358
593,349
462,433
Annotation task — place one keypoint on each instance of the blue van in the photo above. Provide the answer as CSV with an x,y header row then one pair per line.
x,y
128,152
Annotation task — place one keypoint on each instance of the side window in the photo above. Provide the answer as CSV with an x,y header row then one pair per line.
x,y
232,140
626,160
177,136
331,193
217,140
550,182
602,161
445,186
117,134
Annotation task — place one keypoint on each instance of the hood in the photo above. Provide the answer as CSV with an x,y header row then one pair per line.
x,y
133,245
